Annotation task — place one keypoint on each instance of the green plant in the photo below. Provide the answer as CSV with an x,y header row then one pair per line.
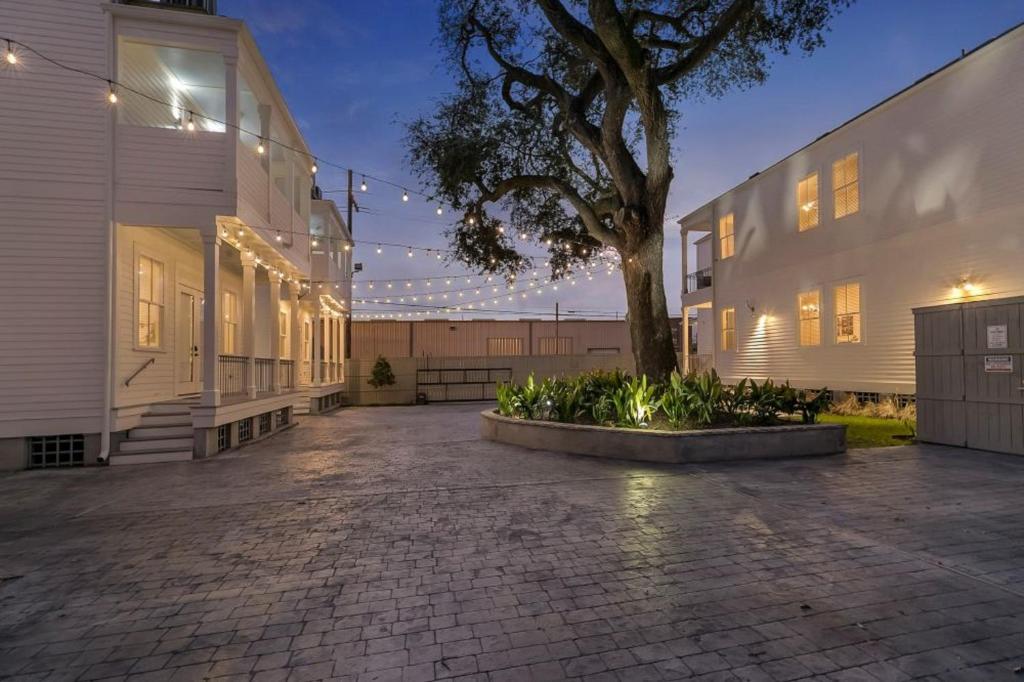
x,y
635,403
802,402
764,401
381,374
563,400
673,400
735,399
508,399
602,409
704,393
530,399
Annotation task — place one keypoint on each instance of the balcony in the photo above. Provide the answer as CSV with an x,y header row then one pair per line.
x,y
695,281
205,6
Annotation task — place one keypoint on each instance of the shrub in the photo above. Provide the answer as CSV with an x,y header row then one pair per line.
x,y
673,401
704,397
381,374
635,403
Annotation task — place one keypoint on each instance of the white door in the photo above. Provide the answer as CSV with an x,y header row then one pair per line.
x,y
188,332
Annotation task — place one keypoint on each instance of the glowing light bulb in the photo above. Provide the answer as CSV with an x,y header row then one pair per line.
x,y
405,195
409,253
191,125
260,149
10,56
441,210
314,168
112,95
380,250
278,237
362,185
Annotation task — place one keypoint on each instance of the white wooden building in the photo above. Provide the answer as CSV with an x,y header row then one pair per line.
x,y
810,269
172,286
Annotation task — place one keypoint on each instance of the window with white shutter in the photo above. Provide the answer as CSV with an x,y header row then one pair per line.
x,y
846,186
848,313
729,329
726,235
807,202
809,304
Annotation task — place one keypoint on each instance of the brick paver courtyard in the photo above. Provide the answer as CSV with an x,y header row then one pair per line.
x,y
393,544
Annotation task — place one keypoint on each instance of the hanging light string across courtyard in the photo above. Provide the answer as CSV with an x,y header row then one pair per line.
x,y
115,89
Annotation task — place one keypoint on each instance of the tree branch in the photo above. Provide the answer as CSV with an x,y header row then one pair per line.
x,y
732,16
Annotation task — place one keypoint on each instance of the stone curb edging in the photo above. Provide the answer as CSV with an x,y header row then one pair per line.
x,y
670,447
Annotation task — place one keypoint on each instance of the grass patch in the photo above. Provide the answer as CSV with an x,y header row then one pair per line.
x,y
869,432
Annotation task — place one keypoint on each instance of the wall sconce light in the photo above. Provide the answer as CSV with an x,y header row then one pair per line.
x,y
965,287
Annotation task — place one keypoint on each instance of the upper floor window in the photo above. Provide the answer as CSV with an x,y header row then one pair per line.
x,y
726,236
846,186
185,85
810,318
150,297
848,313
283,348
230,341
807,202
729,329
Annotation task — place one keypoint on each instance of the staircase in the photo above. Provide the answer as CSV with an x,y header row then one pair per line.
x,y
164,436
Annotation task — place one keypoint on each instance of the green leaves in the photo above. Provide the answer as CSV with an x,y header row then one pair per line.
x,y
692,401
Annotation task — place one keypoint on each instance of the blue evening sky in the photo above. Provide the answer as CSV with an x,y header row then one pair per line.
x,y
354,72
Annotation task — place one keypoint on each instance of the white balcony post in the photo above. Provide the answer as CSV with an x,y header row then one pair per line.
x,y
249,320
293,335
686,264
275,328
211,319
685,331
317,351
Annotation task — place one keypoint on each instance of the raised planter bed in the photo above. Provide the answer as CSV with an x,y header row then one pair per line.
x,y
671,447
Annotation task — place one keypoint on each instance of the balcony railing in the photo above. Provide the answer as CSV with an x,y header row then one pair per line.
x,y
231,374
287,376
264,375
698,363
698,280
208,6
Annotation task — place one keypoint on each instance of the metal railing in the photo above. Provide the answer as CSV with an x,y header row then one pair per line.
x,y
208,6
231,374
264,375
287,375
696,281
698,362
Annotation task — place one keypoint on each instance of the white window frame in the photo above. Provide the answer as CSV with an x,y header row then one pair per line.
x,y
731,236
231,321
859,313
724,343
284,333
835,189
159,346
802,206
800,319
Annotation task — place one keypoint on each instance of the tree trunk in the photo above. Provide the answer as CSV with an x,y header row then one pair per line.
x,y
649,327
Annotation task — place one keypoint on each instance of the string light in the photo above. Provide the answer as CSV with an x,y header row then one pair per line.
x,y
313,168
441,210
191,125
315,243
11,58
260,149
362,185
112,95
405,195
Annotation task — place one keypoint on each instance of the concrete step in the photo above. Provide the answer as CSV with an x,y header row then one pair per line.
x,y
150,457
184,419
151,444
175,431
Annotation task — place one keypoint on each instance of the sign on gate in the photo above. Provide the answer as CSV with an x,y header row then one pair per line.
x,y
996,336
999,363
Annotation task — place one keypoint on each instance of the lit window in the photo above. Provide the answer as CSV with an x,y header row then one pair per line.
x,y
726,236
845,186
807,202
230,342
282,321
810,318
505,345
729,329
847,304
150,303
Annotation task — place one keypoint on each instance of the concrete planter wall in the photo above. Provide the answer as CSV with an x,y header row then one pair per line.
x,y
671,447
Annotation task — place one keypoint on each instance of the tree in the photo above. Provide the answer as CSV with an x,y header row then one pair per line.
x,y
381,374
563,118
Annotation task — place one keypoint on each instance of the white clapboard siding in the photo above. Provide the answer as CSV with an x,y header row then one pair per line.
x,y
53,189
941,172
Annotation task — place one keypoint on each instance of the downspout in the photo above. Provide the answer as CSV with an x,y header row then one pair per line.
x,y
108,384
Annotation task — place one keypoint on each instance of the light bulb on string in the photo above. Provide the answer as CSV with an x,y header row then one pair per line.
x,y
11,58
260,149
409,253
315,243
441,210
314,168
112,94
405,195
362,185
191,125
279,237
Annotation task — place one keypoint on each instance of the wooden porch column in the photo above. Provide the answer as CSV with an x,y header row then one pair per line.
x,y
249,320
685,332
317,351
211,319
293,336
275,327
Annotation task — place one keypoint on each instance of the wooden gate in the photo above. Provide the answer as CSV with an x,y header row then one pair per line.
x,y
970,386
449,380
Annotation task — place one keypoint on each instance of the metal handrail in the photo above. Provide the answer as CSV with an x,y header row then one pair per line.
x,y
137,372
701,279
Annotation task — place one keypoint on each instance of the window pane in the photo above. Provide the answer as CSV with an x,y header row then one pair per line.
x,y
807,202
145,279
143,338
725,235
158,282
848,313
729,329
845,186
